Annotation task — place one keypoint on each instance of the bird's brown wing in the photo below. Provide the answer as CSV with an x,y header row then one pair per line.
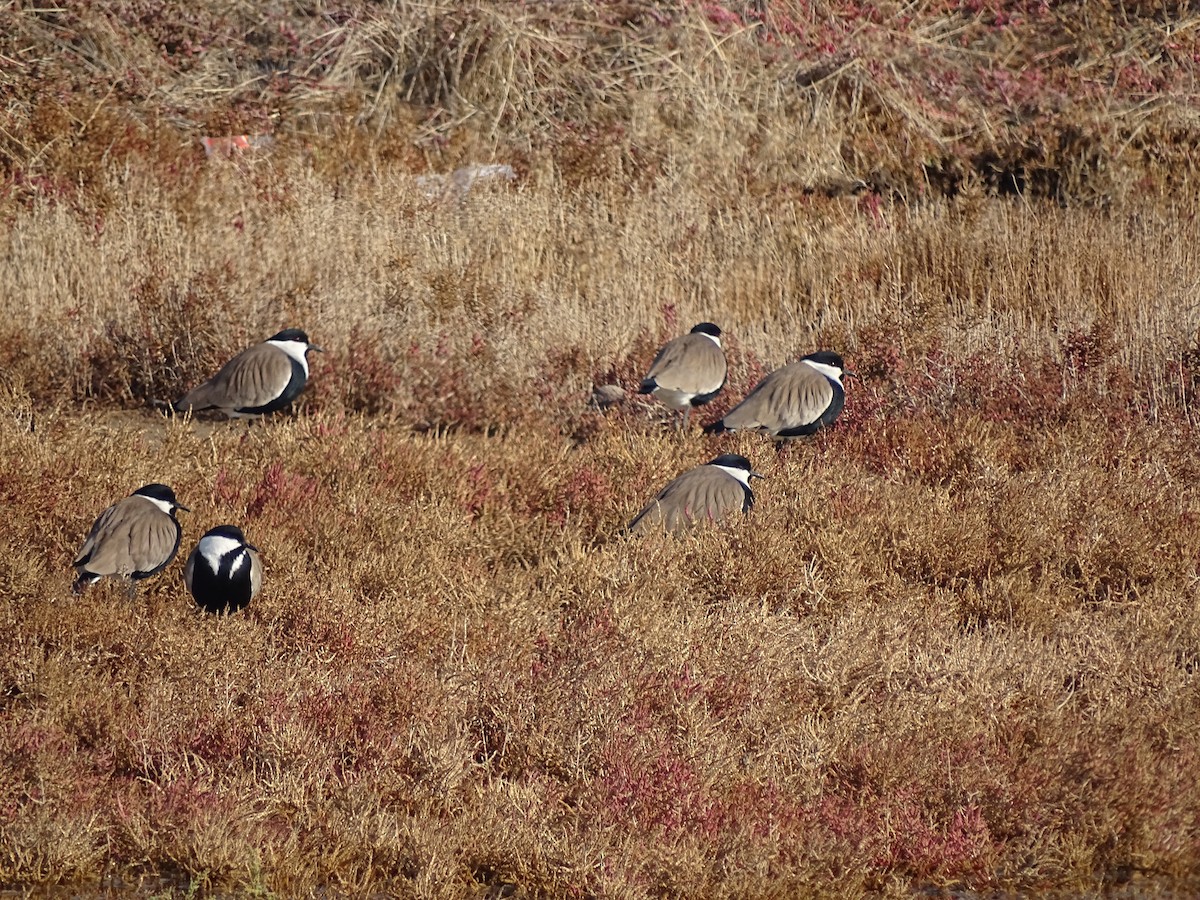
x,y
791,397
255,573
95,551
130,536
694,364
699,496
252,379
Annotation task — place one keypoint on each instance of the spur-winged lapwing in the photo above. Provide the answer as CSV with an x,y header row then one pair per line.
x,y
706,494
259,380
134,538
796,400
688,371
223,572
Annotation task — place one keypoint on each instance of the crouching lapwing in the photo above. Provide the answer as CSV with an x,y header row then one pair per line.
x,y
710,493
688,371
134,538
794,401
223,572
261,379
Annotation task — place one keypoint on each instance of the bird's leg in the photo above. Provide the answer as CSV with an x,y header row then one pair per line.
x,y
131,590
687,414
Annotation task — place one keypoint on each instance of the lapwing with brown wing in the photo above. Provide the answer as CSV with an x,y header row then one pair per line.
x,y
706,495
134,538
796,400
223,572
688,371
261,379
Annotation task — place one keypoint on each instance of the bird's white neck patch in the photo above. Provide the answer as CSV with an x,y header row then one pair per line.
x,y
712,337
161,504
831,372
215,548
295,350
740,474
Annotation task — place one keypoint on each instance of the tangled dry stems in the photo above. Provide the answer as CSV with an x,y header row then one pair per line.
x,y
953,647
1065,100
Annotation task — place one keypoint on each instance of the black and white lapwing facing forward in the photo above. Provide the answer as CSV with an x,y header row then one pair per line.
x,y
794,401
688,371
707,494
134,538
261,379
223,572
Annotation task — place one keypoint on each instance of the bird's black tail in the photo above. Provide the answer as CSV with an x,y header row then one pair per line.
x,y
648,386
715,427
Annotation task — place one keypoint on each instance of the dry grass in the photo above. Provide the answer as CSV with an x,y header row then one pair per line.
x,y
1065,100
953,648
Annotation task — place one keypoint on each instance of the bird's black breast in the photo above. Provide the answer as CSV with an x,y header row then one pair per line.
x,y
748,500
224,590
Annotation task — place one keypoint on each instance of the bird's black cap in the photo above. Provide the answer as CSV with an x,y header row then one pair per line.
x,y
227,531
826,357
731,461
290,334
156,491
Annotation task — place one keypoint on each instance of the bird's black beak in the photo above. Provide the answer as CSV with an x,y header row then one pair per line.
x,y
315,347
181,506
758,475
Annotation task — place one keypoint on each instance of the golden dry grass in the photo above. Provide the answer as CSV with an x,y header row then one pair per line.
x,y
952,649
953,644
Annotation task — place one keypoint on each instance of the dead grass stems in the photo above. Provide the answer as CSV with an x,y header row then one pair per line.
x,y
952,649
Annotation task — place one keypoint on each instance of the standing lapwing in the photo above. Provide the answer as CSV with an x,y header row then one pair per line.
x,y
134,538
796,400
688,371
259,380
706,494
223,572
